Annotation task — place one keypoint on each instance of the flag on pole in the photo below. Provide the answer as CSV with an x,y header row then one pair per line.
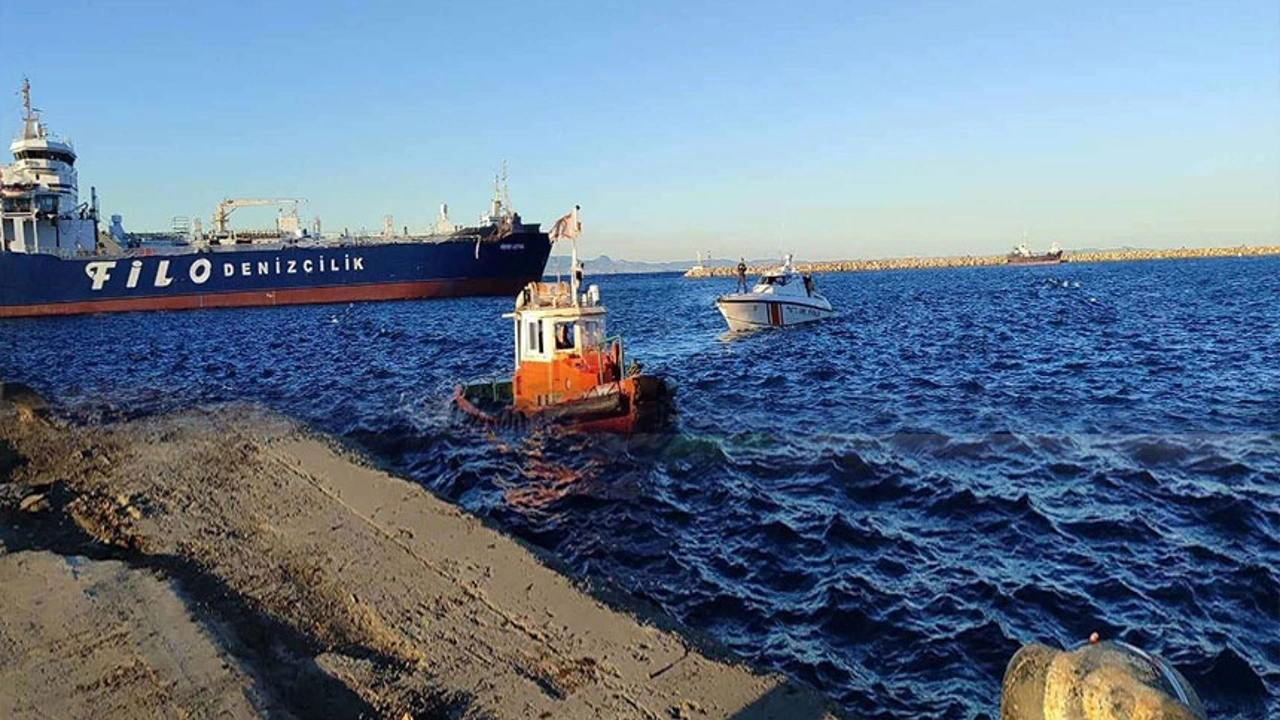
x,y
567,227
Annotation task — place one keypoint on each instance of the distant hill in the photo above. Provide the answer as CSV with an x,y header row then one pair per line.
x,y
605,265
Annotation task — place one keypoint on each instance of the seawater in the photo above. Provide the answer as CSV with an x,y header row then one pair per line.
x,y
885,505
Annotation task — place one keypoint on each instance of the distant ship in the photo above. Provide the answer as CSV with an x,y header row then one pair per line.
x,y
54,260
1023,256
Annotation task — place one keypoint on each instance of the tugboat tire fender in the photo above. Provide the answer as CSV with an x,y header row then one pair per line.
x,y
650,388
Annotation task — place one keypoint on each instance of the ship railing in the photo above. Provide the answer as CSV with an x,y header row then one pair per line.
x,y
601,350
63,253
45,135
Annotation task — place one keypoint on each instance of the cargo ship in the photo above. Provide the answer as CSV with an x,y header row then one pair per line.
x,y
56,260
1022,255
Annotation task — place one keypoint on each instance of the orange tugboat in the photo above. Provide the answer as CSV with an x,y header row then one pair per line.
x,y
568,372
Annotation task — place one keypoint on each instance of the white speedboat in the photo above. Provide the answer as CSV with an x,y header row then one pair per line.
x,y
782,297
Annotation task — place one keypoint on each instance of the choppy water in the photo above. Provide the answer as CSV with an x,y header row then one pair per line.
x,y
885,505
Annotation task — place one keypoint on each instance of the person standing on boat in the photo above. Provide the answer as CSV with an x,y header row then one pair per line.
x,y
742,275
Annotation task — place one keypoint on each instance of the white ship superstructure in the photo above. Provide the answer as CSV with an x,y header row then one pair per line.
x,y
40,210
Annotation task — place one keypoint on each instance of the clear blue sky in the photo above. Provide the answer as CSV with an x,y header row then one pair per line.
x,y
831,129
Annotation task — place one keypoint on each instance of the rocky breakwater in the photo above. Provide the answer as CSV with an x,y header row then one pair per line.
x,y
960,261
1128,254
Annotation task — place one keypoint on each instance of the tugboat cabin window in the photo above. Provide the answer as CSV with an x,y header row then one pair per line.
x,y
535,336
592,333
47,203
564,335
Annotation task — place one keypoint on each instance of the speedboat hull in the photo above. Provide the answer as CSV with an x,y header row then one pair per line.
x,y
749,311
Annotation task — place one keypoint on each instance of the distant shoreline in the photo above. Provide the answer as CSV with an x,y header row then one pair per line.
x,y
917,263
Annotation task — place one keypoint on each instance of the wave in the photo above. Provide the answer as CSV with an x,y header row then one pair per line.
x,y
884,505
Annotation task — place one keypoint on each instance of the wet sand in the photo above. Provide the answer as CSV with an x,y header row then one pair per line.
x,y
226,562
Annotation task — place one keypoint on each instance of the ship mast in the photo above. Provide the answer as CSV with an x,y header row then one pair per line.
x,y
495,206
30,118
506,196
574,278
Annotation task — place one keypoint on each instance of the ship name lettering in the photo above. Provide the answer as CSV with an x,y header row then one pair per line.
x,y
162,274
200,271
99,272
135,269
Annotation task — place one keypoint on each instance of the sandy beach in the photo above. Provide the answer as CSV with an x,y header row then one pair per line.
x,y
227,562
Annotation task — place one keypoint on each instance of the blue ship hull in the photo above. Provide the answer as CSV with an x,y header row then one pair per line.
x,y
255,275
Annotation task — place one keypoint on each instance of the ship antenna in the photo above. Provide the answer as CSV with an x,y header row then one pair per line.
x,y
26,99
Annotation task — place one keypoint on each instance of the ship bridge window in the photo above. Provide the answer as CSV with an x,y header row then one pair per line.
x,y
17,205
47,203
44,155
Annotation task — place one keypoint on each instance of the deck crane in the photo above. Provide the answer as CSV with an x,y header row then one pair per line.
x,y
226,207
